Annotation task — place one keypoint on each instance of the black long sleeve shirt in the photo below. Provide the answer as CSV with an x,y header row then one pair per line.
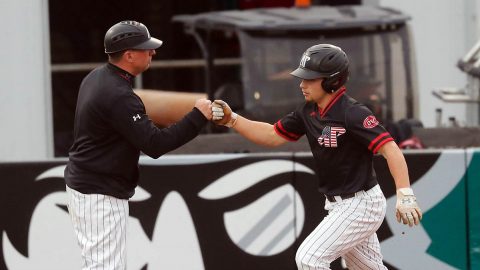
x,y
111,128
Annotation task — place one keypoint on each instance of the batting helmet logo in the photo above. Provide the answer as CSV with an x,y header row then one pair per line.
x,y
304,60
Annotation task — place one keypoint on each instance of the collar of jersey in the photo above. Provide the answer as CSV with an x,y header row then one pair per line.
x,y
338,94
122,73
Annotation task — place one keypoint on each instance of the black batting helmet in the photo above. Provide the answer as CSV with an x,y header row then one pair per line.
x,y
129,35
324,61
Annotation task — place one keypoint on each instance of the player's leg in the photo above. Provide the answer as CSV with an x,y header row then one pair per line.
x,y
100,223
313,253
366,255
348,224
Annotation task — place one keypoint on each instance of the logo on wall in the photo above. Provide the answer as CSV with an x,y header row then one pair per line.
x,y
166,221
229,213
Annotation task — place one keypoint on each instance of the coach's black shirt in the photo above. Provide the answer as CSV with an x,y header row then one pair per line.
x,y
111,128
343,138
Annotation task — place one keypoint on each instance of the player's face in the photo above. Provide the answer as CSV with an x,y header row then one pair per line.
x,y
312,90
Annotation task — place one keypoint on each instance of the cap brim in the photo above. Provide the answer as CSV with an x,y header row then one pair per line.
x,y
150,44
306,74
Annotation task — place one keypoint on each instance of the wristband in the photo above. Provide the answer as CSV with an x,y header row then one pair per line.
x,y
405,191
233,120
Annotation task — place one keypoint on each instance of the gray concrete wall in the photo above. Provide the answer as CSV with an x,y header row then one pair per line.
x,y
25,95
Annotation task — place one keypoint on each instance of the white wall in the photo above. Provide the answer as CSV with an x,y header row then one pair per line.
x,y
443,31
25,95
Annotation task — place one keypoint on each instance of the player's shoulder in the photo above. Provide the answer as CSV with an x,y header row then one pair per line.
x,y
352,106
305,109
355,111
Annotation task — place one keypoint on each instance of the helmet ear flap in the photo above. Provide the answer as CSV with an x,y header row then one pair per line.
x,y
330,85
333,83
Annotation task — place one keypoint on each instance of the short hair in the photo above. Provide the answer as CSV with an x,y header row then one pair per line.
x,y
116,56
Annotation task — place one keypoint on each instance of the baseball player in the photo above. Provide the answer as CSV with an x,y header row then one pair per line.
x,y
343,136
110,129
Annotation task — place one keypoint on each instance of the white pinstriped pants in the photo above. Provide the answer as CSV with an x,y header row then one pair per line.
x,y
347,231
100,223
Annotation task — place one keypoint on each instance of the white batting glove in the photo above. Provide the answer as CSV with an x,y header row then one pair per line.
x,y
217,111
223,114
407,210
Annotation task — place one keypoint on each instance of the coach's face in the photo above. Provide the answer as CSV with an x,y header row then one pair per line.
x,y
140,60
312,90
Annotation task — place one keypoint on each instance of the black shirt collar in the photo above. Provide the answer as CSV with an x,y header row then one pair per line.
x,y
122,73
340,92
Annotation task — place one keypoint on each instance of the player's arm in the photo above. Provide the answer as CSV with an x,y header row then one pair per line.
x,y
367,130
396,163
407,209
258,132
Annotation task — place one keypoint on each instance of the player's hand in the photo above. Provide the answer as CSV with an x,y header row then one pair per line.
x,y
205,107
407,210
222,114
217,111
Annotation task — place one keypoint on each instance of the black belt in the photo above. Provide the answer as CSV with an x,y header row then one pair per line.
x,y
344,197
331,198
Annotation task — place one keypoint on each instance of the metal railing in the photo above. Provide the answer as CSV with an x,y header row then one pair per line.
x,y
187,63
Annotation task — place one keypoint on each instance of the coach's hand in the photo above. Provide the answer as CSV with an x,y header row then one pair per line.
x,y
408,211
222,114
205,107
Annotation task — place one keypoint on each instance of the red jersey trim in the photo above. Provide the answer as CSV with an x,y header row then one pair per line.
x,y
340,93
381,144
378,138
278,127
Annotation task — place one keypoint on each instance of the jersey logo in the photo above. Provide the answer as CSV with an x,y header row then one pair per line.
x,y
136,117
304,60
370,122
329,136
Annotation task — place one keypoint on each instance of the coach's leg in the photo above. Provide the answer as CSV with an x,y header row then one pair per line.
x,y
366,255
100,223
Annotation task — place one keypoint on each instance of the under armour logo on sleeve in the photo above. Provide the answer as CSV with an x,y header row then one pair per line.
x,y
136,117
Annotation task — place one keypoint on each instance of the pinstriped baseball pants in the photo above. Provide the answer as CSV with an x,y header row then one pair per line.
x,y
347,231
100,224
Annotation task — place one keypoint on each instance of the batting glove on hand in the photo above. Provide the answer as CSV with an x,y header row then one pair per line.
x,y
222,114
407,211
217,111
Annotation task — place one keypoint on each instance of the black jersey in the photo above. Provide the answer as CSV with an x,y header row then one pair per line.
x,y
111,128
343,138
